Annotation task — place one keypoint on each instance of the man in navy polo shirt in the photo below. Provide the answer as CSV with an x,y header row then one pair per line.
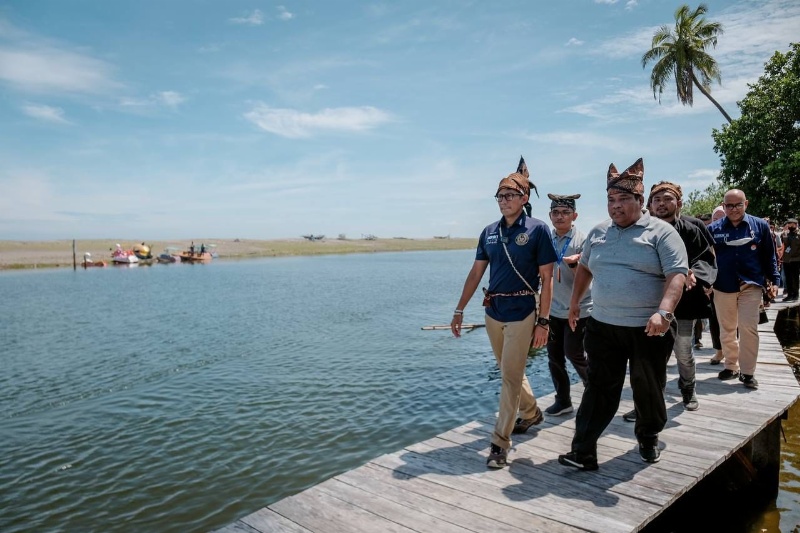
x,y
520,252
747,265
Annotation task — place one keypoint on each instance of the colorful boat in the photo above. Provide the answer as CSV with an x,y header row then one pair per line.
x,y
87,261
123,257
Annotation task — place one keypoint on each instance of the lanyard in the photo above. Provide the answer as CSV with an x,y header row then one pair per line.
x,y
560,255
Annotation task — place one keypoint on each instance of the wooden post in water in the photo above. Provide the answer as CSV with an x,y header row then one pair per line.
x,y
74,259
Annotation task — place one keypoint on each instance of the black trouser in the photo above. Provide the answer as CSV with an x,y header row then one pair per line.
x,y
610,349
713,326
792,271
698,331
564,344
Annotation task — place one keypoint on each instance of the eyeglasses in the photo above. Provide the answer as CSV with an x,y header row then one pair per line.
x,y
507,197
733,206
565,213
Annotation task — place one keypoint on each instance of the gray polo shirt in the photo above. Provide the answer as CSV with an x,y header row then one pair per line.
x,y
629,268
562,291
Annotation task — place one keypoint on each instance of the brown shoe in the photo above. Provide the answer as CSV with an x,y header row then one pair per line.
x,y
717,359
522,425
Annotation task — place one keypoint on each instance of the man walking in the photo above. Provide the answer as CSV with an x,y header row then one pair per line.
x,y
666,201
791,260
520,252
637,266
747,265
565,343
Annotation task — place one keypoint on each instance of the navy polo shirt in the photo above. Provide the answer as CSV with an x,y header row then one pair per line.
x,y
529,245
753,262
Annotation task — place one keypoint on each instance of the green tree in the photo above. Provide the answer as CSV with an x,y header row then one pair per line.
x,y
680,53
760,151
702,202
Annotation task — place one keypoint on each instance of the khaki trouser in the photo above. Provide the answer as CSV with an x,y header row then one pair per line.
x,y
510,343
739,311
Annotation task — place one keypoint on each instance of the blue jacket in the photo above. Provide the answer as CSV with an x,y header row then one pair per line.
x,y
745,254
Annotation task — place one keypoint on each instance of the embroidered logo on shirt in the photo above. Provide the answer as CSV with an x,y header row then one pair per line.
x,y
521,239
491,238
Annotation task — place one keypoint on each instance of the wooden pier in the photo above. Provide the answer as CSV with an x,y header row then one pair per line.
x,y
442,485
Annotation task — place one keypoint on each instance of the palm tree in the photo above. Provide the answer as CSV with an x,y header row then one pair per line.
x,y
681,53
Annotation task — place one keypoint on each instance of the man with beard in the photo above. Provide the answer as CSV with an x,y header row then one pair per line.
x,y
665,202
637,266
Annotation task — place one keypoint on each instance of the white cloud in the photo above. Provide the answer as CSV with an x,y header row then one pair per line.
x,y
169,98
47,69
609,2
631,4
297,124
574,42
45,113
284,14
256,18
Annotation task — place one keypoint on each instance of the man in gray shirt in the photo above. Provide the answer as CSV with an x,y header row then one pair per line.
x,y
564,342
637,266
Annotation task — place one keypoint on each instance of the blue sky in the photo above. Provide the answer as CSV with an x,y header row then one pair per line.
x,y
151,120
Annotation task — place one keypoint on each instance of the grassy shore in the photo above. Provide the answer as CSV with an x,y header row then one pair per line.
x,y
52,254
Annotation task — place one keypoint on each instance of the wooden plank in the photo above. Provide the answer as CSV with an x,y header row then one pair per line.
x,y
268,521
318,511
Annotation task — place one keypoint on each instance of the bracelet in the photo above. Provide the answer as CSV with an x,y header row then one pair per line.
x,y
458,312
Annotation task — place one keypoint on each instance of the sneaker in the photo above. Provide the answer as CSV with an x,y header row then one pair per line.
x,y
749,381
630,416
649,453
522,425
698,345
498,457
790,299
728,374
559,408
581,462
690,402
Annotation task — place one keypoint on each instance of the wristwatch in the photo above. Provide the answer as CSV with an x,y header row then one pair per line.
x,y
669,317
542,321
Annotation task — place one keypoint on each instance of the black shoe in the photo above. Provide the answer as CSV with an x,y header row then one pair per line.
x,y
790,299
749,381
581,462
690,402
559,408
649,453
498,457
630,416
522,425
726,374
698,345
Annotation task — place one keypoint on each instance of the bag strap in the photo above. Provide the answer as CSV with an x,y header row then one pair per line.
x,y
503,242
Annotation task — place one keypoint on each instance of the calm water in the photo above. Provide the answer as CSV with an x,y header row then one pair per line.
x,y
181,397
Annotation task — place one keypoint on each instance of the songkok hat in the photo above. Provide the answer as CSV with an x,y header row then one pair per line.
x,y
567,201
630,180
666,186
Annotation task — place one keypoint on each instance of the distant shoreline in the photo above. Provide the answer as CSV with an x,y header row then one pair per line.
x,y
21,255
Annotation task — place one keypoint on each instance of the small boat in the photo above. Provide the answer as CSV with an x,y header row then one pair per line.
x,y
169,255
193,255
87,261
123,257
142,251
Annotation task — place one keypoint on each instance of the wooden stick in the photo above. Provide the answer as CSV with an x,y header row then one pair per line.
x,y
463,326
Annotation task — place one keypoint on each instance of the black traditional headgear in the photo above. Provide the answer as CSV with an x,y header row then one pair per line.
x,y
558,200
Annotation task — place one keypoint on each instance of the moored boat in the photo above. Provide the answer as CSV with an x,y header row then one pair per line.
x,y
87,261
123,257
